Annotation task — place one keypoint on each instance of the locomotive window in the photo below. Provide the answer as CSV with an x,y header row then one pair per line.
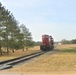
x,y
45,36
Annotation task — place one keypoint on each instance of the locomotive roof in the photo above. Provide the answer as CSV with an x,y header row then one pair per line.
x,y
47,36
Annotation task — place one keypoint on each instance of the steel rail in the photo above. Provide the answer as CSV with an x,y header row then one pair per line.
x,y
10,63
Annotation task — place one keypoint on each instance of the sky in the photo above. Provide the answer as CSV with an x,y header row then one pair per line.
x,y
53,17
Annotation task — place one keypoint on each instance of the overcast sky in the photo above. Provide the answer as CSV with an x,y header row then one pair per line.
x,y
52,17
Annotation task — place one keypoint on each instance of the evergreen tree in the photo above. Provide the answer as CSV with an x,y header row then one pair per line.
x,y
8,27
11,35
1,27
27,38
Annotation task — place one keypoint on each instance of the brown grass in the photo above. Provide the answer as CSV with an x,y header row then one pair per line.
x,y
19,53
63,61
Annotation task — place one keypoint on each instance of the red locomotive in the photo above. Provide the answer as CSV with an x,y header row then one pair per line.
x,y
47,43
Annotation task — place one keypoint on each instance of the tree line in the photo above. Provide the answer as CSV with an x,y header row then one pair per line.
x,y
64,41
12,35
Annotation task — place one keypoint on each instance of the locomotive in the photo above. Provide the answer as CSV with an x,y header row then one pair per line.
x,y
47,43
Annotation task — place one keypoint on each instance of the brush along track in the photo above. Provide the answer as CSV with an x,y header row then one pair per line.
x,y
10,63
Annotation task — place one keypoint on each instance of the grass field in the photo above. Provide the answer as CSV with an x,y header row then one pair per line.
x,y
63,61
19,53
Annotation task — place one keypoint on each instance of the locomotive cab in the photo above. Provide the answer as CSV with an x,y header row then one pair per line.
x,y
47,43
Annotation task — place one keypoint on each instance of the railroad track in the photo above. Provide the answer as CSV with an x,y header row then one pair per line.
x,y
13,62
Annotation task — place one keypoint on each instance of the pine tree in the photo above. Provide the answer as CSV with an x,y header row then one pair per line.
x,y
27,38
